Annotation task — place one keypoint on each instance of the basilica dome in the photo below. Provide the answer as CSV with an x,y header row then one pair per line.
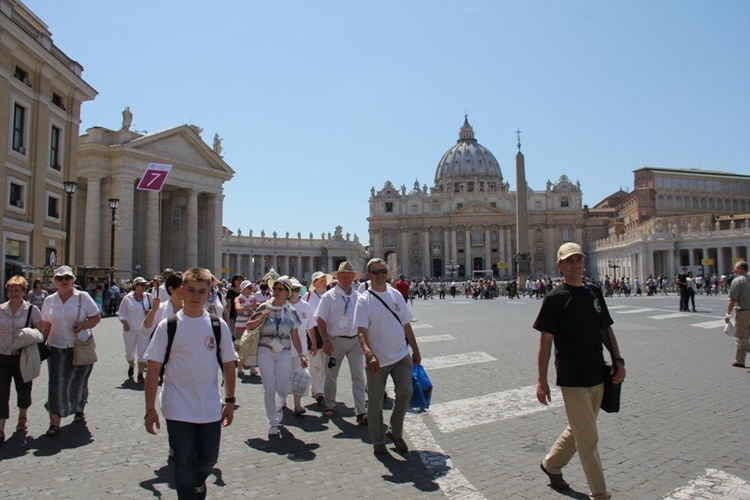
x,y
467,160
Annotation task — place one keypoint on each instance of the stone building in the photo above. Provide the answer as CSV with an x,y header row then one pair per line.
x,y
466,224
674,218
178,227
254,256
41,89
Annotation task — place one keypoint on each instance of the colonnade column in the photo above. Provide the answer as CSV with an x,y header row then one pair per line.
x,y
454,248
426,265
487,249
94,228
403,254
446,252
467,254
123,189
191,230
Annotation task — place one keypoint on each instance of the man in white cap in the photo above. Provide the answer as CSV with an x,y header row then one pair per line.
x,y
574,317
335,318
319,281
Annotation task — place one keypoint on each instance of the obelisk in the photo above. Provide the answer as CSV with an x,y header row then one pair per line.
x,y
523,252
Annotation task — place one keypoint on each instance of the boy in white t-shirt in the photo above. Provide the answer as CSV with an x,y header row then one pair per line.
x,y
190,398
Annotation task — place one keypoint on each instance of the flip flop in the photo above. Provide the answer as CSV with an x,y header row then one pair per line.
x,y
299,410
328,412
23,425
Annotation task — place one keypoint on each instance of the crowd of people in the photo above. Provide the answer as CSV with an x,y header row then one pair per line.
x,y
182,329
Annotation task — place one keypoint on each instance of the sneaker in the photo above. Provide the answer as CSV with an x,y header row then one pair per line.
x,y
273,431
398,442
556,480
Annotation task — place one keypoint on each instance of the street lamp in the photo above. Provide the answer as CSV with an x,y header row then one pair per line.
x,y
113,203
70,188
451,268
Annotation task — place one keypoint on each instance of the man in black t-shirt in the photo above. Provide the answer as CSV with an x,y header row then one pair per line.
x,y
574,317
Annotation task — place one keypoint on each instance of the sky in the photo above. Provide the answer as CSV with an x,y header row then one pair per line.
x,y
317,102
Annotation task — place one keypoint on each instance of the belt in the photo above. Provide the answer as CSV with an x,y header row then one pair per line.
x,y
343,337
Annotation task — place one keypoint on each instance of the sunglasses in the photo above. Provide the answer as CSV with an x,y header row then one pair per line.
x,y
63,278
141,284
296,289
279,289
378,272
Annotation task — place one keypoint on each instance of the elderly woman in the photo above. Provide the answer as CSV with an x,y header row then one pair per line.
x,y
67,315
278,334
14,315
133,310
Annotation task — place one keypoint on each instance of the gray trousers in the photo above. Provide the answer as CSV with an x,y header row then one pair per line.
x,y
349,348
400,372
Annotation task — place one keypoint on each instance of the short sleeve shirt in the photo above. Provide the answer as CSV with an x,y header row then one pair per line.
x,y
11,325
385,334
576,316
63,315
739,290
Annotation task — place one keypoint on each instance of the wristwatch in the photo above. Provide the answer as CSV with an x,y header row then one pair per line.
x,y
230,400
621,361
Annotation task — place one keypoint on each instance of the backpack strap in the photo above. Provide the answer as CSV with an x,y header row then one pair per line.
x,y
216,326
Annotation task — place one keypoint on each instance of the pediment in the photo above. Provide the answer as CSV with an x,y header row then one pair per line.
x,y
180,145
477,208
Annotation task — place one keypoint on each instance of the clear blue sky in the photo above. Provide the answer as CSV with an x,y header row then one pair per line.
x,y
319,101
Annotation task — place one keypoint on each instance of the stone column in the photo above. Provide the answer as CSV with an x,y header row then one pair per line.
x,y
427,254
191,229
298,267
123,189
467,253
487,249
454,247
92,249
213,230
403,251
286,266
152,235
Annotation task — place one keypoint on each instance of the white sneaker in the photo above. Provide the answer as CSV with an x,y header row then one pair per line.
x,y
273,431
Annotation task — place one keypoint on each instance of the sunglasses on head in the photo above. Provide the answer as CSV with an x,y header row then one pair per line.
x,y
378,272
63,278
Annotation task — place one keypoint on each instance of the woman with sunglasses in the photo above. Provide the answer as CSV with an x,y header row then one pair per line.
x,y
66,315
278,334
133,310
15,314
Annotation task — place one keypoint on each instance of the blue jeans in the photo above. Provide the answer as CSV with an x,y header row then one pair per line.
x,y
196,450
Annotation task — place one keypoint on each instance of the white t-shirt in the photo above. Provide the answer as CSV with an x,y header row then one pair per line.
x,y
305,313
190,392
385,335
336,308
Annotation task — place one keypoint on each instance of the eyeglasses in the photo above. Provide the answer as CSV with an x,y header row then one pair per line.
x,y
141,284
279,289
63,278
378,272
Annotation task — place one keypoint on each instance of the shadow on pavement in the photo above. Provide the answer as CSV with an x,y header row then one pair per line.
x,y
71,436
285,443
409,468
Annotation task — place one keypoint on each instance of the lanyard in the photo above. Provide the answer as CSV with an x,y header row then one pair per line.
x,y
346,304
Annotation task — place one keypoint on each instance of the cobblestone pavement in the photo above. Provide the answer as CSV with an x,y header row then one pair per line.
x,y
681,432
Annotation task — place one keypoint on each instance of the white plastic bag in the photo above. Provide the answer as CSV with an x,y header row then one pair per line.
x,y
729,328
300,381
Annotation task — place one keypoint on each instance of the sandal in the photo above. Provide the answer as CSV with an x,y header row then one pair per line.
x,y
23,425
362,419
328,412
80,418
299,410
53,431
320,398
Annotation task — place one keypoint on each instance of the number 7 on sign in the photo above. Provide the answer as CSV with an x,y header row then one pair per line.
x,y
154,177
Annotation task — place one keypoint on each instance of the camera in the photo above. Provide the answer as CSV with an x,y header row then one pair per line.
x,y
331,362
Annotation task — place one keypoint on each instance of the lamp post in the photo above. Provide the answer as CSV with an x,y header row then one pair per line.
x,y
451,268
113,204
70,188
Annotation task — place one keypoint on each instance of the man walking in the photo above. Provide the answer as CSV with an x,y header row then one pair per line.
x,y
574,317
382,321
739,300
335,318
190,399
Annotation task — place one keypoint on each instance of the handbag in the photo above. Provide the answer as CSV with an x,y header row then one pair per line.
x,y
249,343
611,398
421,388
84,351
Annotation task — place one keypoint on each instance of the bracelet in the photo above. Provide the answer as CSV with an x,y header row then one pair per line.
x,y
148,412
230,400
620,360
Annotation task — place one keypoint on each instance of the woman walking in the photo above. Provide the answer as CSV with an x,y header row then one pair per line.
x,y
15,314
67,314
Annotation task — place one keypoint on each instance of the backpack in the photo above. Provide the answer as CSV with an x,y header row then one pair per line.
x,y
172,330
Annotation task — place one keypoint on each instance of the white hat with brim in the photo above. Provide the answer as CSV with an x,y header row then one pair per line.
x,y
320,274
64,271
245,284
346,267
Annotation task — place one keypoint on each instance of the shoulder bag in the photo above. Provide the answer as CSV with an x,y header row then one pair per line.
x,y
249,344
84,351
